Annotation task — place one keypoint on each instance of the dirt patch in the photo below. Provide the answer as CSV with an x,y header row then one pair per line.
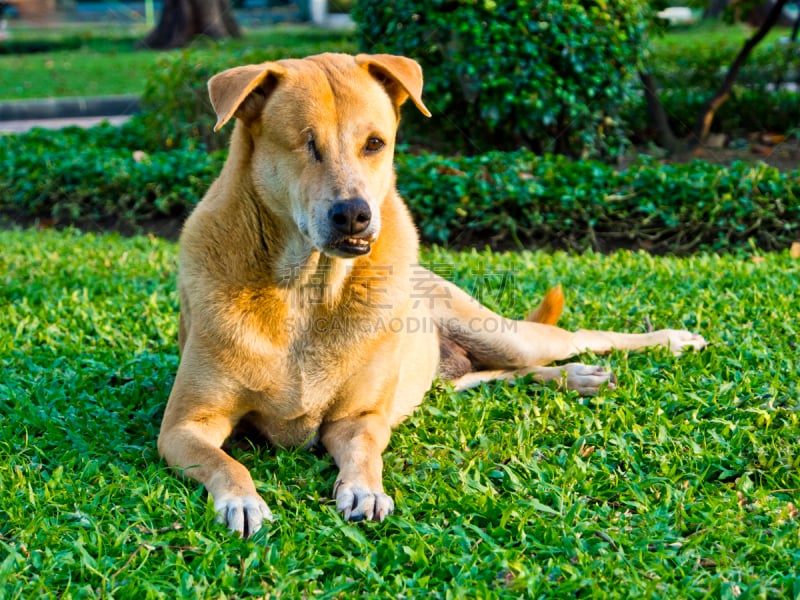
x,y
771,149
168,227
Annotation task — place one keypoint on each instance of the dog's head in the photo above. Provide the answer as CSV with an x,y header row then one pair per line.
x,y
321,133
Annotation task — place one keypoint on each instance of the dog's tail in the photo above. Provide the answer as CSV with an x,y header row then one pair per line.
x,y
551,307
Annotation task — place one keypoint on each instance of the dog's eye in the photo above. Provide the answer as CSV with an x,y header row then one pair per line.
x,y
373,145
312,148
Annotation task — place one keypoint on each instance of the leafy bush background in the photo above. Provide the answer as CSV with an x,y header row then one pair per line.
x,y
545,74
501,199
178,111
157,165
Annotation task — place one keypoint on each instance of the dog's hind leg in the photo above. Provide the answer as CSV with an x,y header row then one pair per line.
x,y
587,380
494,342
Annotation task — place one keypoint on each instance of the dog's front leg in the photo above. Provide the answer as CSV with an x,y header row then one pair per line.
x,y
356,444
194,447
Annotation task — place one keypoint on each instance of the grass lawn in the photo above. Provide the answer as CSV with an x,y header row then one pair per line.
x,y
684,482
109,64
710,34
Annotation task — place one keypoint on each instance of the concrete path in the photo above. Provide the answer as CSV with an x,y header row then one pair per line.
x,y
17,116
21,126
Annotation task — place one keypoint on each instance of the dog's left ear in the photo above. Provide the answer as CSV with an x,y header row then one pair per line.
x,y
242,91
400,76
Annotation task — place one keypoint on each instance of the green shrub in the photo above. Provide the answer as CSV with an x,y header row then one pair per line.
x,y
178,111
550,75
99,175
551,201
499,199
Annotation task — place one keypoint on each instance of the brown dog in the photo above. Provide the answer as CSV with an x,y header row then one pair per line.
x,y
299,287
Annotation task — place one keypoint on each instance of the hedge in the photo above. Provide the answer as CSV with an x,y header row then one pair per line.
x,y
104,174
14,46
552,201
747,111
497,199
545,74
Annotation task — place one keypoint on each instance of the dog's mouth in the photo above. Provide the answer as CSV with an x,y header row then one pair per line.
x,y
352,246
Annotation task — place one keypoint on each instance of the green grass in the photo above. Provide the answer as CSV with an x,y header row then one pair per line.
x,y
711,33
702,34
109,63
682,483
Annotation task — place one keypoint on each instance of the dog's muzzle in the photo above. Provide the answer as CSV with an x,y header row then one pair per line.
x,y
350,220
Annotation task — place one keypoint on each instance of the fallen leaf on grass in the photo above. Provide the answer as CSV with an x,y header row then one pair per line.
x,y
708,563
794,252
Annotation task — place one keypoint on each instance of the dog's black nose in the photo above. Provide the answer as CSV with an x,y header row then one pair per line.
x,y
351,216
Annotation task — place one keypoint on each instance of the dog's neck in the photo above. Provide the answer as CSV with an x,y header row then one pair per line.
x,y
310,276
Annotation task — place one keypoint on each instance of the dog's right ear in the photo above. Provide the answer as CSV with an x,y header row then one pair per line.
x,y
242,91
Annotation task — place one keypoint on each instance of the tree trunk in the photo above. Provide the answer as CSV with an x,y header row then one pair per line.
x,y
34,10
703,125
183,20
658,115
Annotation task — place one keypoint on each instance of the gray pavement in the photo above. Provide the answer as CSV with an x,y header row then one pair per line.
x,y
23,125
18,116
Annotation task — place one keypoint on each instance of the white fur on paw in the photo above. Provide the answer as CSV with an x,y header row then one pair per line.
x,y
679,341
587,380
358,503
242,514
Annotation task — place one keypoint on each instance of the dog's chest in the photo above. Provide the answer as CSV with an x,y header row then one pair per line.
x,y
303,386
312,354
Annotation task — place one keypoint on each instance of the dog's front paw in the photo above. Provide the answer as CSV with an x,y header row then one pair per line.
x,y
357,503
587,380
680,340
242,514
